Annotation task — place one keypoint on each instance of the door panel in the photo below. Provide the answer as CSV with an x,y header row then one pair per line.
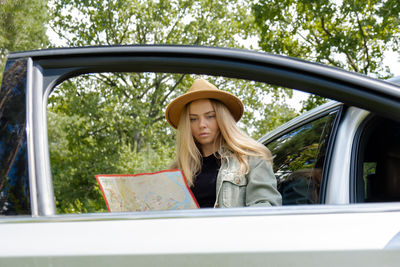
x,y
212,240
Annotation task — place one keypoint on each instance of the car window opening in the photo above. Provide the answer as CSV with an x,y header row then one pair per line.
x,y
381,161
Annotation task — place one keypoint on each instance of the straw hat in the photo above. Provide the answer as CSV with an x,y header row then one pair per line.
x,y
202,89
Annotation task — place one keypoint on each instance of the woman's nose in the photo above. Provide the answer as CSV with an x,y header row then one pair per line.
x,y
202,122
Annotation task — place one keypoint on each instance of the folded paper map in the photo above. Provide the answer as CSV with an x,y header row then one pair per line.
x,y
163,190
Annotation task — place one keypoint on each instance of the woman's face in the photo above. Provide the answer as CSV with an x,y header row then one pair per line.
x,y
203,124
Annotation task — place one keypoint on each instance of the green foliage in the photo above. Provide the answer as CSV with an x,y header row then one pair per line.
x,y
303,148
95,129
114,122
22,27
305,158
349,34
265,108
96,22
311,102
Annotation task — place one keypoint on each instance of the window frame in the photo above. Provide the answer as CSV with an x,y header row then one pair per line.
x,y
358,149
50,67
362,137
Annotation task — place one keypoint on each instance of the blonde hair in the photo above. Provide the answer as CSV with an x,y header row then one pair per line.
x,y
234,141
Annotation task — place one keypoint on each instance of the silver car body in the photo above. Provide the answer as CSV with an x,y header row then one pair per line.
x,y
335,233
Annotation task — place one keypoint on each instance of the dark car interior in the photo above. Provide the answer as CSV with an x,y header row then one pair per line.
x,y
378,175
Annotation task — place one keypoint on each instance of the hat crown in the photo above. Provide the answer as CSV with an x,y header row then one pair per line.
x,y
201,84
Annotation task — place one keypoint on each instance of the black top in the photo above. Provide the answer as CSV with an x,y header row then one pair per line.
x,y
205,183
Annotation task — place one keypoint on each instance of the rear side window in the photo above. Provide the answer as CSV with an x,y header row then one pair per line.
x,y
299,160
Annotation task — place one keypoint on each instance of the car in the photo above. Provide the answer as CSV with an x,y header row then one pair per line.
x,y
337,170
356,152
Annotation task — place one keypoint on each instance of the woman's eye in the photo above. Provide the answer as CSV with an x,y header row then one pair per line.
x,y
211,116
192,119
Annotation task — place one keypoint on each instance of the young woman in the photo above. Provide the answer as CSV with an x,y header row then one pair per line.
x,y
224,167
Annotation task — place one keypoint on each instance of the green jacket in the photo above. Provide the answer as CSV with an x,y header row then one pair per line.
x,y
257,188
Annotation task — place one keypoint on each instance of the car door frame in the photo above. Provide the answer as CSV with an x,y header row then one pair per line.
x,y
299,235
48,68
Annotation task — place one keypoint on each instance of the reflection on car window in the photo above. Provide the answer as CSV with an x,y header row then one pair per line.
x,y
14,178
299,160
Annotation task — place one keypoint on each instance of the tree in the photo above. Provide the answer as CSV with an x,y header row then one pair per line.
x,y
349,34
114,122
95,22
22,26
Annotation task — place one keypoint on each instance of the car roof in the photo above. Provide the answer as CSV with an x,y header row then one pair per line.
x,y
330,82
308,116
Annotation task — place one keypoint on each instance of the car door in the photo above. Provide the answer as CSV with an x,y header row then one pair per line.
x,y
301,235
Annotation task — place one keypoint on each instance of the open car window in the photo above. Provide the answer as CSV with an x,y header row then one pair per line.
x,y
113,123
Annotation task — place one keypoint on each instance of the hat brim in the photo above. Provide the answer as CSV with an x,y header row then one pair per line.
x,y
175,108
